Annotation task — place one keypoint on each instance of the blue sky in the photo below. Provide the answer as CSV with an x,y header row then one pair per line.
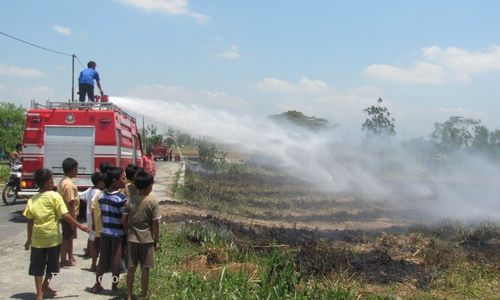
x,y
428,60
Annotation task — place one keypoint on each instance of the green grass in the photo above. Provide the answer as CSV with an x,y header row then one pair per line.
x,y
4,173
203,259
276,277
215,258
175,186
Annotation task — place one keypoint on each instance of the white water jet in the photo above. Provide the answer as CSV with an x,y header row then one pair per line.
x,y
338,162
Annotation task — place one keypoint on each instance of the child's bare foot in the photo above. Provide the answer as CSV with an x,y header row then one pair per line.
x,y
67,263
97,288
48,292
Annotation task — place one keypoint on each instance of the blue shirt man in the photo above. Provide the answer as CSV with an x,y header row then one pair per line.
x,y
86,82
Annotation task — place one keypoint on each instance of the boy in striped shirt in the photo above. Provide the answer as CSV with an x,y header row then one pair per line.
x,y
111,204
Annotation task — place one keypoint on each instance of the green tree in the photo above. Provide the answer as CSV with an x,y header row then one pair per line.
x,y
481,140
495,143
155,138
458,133
184,139
207,153
299,119
379,122
12,120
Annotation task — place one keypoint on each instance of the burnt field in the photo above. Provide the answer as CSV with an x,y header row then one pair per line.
x,y
369,249
267,195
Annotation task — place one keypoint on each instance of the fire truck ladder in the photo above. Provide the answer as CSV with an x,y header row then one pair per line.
x,y
82,106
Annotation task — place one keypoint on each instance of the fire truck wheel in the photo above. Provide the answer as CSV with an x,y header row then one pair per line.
x,y
9,195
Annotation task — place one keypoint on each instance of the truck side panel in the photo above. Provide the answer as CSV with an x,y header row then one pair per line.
x,y
91,135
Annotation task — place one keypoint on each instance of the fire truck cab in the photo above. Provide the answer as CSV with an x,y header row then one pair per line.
x,y
161,152
91,133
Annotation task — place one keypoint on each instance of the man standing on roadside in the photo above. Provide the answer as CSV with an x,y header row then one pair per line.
x,y
86,82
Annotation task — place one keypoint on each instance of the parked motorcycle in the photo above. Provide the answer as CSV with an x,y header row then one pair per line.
x,y
9,193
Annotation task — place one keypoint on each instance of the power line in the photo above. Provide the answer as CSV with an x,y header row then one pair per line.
x,y
73,56
79,61
34,45
37,46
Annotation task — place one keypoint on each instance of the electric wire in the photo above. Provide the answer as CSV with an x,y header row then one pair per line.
x,y
79,62
43,48
35,45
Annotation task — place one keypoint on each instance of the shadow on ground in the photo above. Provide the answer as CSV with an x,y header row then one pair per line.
x,y
17,217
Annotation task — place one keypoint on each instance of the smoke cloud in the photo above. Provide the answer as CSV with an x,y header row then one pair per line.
x,y
338,162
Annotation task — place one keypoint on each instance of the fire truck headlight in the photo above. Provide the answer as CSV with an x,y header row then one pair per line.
x,y
23,184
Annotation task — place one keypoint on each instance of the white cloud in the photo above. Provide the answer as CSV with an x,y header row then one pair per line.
x,y
462,60
214,99
19,72
39,93
62,30
439,66
313,86
277,85
231,54
169,7
421,72
305,85
315,97
345,107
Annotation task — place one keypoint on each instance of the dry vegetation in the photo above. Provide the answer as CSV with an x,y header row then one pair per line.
x,y
276,235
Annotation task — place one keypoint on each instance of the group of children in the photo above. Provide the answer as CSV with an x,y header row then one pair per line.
x,y
123,221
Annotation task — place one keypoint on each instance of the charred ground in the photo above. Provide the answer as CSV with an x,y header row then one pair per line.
x,y
244,218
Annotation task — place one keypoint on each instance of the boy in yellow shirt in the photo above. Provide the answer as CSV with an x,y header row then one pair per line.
x,y
43,212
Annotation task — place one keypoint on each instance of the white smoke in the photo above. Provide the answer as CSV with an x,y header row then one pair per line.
x,y
337,162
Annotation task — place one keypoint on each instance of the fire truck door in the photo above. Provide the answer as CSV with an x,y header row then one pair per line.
x,y
118,147
75,142
134,150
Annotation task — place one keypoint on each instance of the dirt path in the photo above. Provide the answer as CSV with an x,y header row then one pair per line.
x,y
74,282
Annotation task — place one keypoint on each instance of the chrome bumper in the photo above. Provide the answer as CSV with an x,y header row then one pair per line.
x,y
26,193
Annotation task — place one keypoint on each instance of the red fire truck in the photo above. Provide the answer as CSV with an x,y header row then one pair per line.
x,y
161,152
91,133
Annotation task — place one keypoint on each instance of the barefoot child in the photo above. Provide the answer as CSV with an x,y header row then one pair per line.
x,y
69,193
96,217
89,196
111,204
43,212
141,219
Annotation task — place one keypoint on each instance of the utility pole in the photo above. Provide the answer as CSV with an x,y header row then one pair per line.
x,y
143,135
73,79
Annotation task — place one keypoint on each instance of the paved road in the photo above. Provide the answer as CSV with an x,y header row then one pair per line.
x,y
72,283
11,219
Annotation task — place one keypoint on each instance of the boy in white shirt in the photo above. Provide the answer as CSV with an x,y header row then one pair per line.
x,y
89,196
